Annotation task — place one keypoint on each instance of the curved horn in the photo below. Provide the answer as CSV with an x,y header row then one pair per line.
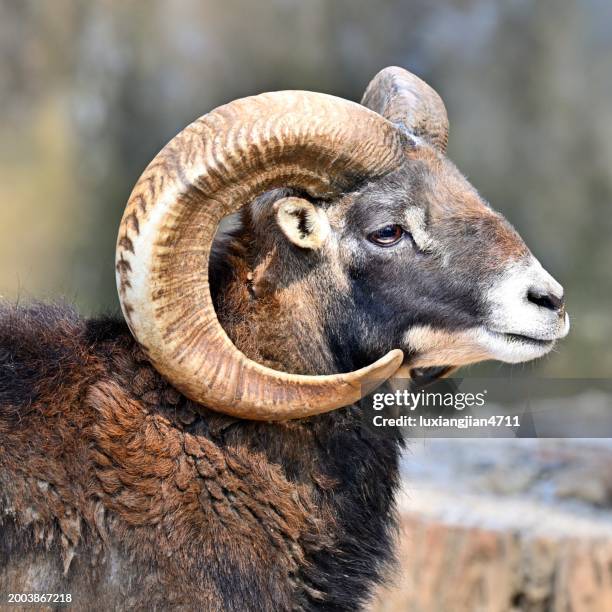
x,y
404,99
314,142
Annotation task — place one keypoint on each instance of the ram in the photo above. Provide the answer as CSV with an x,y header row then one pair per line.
x,y
208,452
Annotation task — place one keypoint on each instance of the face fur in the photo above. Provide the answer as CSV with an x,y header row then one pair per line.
x,y
415,260
419,261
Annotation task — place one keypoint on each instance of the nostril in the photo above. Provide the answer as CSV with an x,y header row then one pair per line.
x,y
546,300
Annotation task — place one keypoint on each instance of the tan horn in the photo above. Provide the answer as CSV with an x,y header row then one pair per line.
x,y
404,99
315,142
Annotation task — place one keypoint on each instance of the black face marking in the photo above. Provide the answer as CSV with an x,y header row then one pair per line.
x,y
394,289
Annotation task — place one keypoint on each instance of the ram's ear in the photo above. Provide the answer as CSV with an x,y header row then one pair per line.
x,y
304,224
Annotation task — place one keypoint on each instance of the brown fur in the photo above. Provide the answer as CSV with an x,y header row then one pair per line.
x,y
117,489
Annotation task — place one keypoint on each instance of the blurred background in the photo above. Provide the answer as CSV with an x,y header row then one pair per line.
x,y
91,90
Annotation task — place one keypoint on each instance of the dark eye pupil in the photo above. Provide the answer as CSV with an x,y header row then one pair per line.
x,y
387,235
388,232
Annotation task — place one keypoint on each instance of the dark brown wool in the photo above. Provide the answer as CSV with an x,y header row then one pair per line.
x,y
115,488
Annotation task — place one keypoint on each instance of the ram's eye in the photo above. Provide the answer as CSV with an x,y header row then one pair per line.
x,y
387,236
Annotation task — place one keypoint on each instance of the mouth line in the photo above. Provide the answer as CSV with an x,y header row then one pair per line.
x,y
522,338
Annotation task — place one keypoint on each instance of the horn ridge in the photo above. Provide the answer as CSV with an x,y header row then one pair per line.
x,y
404,99
309,141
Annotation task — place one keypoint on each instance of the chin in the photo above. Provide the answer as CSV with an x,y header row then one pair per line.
x,y
514,348
523,344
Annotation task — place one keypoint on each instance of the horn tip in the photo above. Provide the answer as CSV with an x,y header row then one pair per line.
x,y
390,363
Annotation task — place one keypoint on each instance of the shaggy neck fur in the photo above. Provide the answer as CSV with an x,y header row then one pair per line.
x,y
116,488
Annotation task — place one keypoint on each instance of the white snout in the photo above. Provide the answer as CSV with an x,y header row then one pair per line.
x,y
526,313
